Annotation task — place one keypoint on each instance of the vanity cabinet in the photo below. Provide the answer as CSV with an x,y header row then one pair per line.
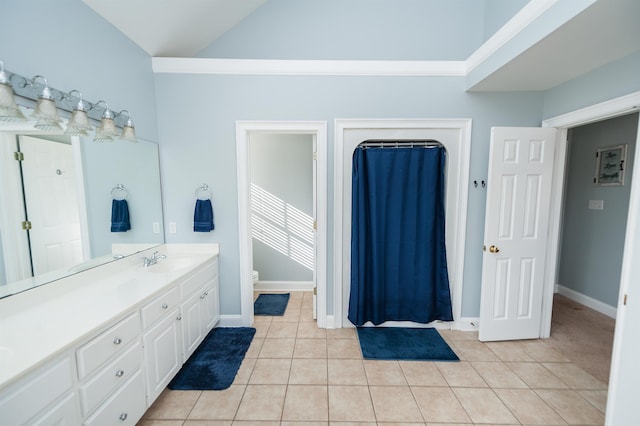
x,y
45,397
200,310
110,373
162,353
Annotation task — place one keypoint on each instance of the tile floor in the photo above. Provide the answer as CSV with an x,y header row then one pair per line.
x,y
297,374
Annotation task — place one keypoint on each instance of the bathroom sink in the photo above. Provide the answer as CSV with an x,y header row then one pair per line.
x,y
170,264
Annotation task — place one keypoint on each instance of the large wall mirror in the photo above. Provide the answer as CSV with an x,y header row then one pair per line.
x,y
56,204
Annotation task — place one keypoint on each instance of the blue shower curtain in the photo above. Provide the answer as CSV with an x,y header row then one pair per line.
x,y
398,255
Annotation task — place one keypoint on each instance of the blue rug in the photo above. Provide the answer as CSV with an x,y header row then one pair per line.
x,y
271,304
214,365
396,343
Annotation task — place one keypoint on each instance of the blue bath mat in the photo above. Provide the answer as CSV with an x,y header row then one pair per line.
x,y
214,365
271,304
397,343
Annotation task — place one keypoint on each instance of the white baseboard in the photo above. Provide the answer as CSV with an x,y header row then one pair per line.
x,y
587,301
331,322
230,321
283,286
467,324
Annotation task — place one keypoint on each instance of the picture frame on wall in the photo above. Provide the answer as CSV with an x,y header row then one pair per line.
x,y
610,165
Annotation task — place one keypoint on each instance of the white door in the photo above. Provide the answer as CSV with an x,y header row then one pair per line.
x,y
49,177
515,236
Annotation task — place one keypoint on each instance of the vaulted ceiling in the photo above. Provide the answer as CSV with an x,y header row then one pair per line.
x,y
604,32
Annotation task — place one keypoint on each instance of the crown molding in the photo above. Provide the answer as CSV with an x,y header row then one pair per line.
x,y
307,67
529,13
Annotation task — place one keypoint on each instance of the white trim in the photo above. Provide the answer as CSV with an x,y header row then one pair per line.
x,y
589,302
525,16
230,321
597,112
283,286
307,67
243,130
458,171
469,324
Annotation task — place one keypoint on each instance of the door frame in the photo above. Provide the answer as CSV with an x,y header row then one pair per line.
x,y
597,112
244,129
458,163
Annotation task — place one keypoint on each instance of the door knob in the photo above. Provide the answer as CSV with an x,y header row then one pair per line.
x,y
493,249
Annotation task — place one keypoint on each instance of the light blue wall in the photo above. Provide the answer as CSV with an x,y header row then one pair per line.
x,y
282,167
498,12
74,48
198,144
610,81
593,240
356,30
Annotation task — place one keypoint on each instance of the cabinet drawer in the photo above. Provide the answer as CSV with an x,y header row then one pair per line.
x,y
32,394
105,381
158,307
193,283
125,407
108,344
64,413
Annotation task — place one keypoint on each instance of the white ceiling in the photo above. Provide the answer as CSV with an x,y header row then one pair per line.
x,y
179,28
604,32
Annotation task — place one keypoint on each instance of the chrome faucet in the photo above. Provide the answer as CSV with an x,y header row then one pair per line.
x,y
148,261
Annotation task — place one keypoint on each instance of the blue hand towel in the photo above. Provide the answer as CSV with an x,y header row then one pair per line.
x,y
203,216
120,216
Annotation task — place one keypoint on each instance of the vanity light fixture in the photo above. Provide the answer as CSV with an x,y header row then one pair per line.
x,y
107,130
79,122
129,129
9,110
46,111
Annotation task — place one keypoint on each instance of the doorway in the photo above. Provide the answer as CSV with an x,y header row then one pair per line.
x,y
258,132
455,136
282,211
593,236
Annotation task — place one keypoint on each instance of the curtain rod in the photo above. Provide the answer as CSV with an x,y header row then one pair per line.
x,y
400,143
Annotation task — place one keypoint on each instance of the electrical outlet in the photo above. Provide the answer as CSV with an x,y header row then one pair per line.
x,y
156,227
596,204
172,227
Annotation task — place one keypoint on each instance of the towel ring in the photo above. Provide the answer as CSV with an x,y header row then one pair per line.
x,y
119,192
203,192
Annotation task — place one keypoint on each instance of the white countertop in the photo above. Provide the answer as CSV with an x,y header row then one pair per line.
x,y
39,324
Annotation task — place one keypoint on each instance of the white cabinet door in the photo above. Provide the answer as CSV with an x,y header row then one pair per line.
x,y
191,313
163,354
211,304
516,225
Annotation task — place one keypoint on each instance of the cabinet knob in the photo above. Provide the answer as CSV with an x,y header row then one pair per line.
x,y
179,317
123,417
119,373
203,296
165,306
117,341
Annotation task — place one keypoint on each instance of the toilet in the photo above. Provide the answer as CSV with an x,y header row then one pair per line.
x,y
256,277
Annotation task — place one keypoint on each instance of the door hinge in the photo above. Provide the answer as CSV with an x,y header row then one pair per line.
x,y
26,225
315,291
624,300
315,225
315,156
18,156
